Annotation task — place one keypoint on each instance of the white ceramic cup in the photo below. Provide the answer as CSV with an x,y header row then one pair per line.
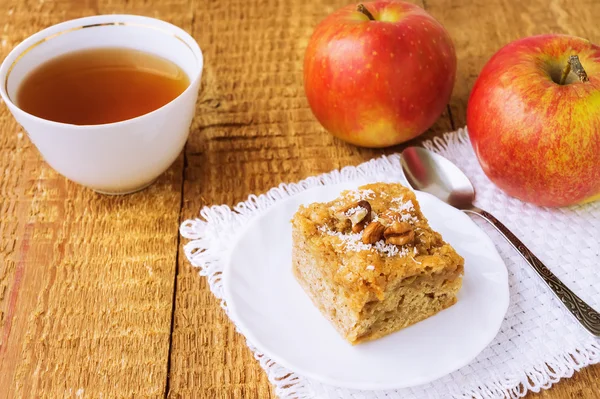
x,y
112,158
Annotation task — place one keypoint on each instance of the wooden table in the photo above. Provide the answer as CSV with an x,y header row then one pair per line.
x,y
96,296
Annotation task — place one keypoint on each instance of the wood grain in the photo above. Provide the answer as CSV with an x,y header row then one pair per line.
x,y
480,28
96,297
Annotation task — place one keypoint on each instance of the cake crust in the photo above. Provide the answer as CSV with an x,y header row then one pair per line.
x,y
373,269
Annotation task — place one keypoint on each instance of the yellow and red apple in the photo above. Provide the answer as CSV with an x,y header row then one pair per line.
x,y
379,74
535,125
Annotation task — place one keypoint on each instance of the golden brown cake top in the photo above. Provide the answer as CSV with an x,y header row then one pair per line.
x,y
374,237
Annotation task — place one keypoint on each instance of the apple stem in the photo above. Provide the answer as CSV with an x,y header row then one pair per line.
x,y
363,9
575,65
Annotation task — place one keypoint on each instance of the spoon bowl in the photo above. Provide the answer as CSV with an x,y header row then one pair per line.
x,y
434,174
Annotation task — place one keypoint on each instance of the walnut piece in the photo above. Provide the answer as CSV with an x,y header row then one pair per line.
x,y
358,213
373,233
399,233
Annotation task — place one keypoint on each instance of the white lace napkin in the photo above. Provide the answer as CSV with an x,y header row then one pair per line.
x,y
539,342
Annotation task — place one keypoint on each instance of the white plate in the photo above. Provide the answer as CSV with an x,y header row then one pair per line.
x,y
275,314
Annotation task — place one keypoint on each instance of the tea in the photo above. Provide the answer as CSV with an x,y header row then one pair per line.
x,y
102,85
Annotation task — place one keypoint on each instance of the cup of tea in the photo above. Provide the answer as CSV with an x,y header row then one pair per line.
x,y
108,100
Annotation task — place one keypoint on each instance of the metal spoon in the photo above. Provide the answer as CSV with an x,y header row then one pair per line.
x,y
432,173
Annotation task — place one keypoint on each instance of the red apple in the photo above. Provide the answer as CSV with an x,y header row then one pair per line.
x,y
380,76
538,138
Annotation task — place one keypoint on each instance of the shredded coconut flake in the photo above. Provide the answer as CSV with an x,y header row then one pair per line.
x,y
408,217
353,242
404,217
404,206
390,249
370,267
404,210
359,195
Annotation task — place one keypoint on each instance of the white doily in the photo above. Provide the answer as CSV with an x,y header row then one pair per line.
x,y
539,342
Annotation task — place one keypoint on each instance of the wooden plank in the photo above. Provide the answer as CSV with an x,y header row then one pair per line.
x,y
86,281
253,130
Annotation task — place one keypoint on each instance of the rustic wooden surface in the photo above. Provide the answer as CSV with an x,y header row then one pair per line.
x,y
96,297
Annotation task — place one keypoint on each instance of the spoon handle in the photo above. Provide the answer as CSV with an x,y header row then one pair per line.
x,y
584,313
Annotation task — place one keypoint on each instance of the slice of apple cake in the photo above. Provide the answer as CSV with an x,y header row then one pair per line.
x,y
370,262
